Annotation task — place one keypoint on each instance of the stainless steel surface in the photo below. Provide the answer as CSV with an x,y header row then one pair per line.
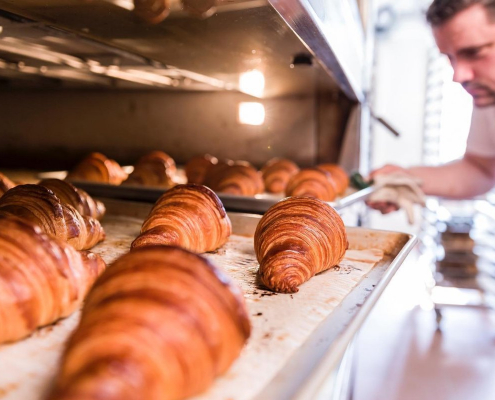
x,y
322,25
100,43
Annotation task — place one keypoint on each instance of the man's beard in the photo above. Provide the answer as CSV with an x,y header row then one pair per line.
x,y
483,95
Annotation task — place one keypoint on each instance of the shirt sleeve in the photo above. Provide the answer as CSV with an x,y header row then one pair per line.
x,y
481,138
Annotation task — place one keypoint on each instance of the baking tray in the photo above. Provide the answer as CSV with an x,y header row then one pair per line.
x,y
256,204
297,339
259,203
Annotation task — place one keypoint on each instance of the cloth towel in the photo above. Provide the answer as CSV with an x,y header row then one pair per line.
x,y
400,189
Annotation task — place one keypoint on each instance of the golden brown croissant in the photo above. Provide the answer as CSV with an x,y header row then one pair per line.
x,y
276,174
297,238
151,11
40,206
77,198
237,179
339,176
312,182
41,278
98,168
197,168
190,216
154,169
160,324
5,184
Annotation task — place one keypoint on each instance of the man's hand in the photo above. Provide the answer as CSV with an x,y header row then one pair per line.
x,y
385,207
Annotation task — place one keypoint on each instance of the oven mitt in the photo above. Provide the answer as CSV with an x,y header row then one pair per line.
x,y
400,189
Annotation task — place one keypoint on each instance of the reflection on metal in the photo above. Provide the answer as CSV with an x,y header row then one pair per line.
x,y
251,113
241,35
323,25
252,82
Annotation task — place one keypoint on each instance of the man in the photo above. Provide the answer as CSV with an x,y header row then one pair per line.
x,y
464,30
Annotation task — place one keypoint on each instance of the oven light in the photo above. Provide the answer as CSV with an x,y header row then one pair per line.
x,y
251,113
252,82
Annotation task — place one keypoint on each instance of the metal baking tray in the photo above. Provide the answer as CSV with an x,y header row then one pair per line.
x,y
278,320
256,204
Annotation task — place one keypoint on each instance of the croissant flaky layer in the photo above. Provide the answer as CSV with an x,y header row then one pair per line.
x,y
41,279
297,238
160,324
276,174
77,198
190,216
40,206
339,176
312,182
197,168
5,184
96,167
154,169
238,179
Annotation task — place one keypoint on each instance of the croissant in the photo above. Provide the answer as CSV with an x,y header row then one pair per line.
x,y
154,169
152,11
41,279
237,179
197,168
276,174
77,198
312,182
160,324
40,206
5,184
98,168
297,238
190,216
339,176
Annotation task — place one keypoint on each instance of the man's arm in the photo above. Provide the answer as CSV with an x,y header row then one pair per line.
x,y
462,179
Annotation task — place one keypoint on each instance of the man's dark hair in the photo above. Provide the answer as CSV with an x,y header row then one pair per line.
x,y
440,11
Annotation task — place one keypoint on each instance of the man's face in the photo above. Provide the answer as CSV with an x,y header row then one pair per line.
x,y
468,39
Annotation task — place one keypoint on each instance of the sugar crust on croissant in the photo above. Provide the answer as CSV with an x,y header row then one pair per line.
x,y
295,239
40,206
276,174
96,167
41,279
77,198
160,324
312,182
190,216
153,169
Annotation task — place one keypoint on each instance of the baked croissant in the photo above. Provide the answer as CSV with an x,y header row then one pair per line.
x,y
152,11
276,174
339,176
312,182
237,179
297,238
5,184
154,169
160,324
41,279
197,168
190,216
40,206
98,168
77,198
